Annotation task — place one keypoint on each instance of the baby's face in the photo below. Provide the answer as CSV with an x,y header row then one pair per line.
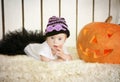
x,y
56,41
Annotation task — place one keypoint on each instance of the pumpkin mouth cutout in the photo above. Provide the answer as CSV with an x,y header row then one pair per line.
x,y
107,51
96,53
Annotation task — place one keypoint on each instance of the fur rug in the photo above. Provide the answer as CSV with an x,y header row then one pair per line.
x,y
21,68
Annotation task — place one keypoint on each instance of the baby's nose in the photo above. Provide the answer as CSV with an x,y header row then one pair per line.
x,y
55,41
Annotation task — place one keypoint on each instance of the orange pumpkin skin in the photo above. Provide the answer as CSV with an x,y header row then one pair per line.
x,y
99,42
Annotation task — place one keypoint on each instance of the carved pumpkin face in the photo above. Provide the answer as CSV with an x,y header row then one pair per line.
x,y
99,42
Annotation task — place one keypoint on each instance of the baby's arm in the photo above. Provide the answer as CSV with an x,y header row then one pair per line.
x,y
43,58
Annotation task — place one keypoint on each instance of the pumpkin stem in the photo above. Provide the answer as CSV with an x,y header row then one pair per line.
x,y
108,20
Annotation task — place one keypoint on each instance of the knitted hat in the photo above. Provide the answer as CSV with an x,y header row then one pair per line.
x,y
55,26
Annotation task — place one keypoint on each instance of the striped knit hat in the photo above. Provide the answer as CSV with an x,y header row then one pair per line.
x,y
55,26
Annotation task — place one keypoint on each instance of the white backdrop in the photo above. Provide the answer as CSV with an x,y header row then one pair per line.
x,y
13,14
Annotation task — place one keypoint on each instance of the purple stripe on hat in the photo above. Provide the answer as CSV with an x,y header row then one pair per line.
x,y
57,27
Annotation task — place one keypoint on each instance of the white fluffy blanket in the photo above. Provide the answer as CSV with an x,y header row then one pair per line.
x,y
22,68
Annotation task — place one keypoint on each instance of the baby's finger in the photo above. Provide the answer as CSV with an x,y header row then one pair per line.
x,y
59,49
58,54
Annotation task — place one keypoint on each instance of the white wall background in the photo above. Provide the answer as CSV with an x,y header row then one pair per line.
x,y
13,14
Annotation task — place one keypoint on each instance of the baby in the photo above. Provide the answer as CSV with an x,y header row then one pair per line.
x,y
52,49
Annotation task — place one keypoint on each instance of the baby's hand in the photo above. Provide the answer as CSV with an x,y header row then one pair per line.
x,y
59,52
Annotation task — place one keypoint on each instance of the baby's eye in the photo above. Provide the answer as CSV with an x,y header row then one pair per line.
x,y
52,37
59,38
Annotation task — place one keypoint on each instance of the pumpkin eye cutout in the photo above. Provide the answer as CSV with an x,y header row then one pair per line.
x,y
109,34
93,39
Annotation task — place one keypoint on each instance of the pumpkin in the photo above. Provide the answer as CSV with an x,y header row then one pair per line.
x,y
99,42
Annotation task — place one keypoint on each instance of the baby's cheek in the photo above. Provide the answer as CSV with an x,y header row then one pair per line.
x,y
60,46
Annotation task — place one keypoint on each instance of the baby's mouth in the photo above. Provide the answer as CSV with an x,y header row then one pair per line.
x,y
55,46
